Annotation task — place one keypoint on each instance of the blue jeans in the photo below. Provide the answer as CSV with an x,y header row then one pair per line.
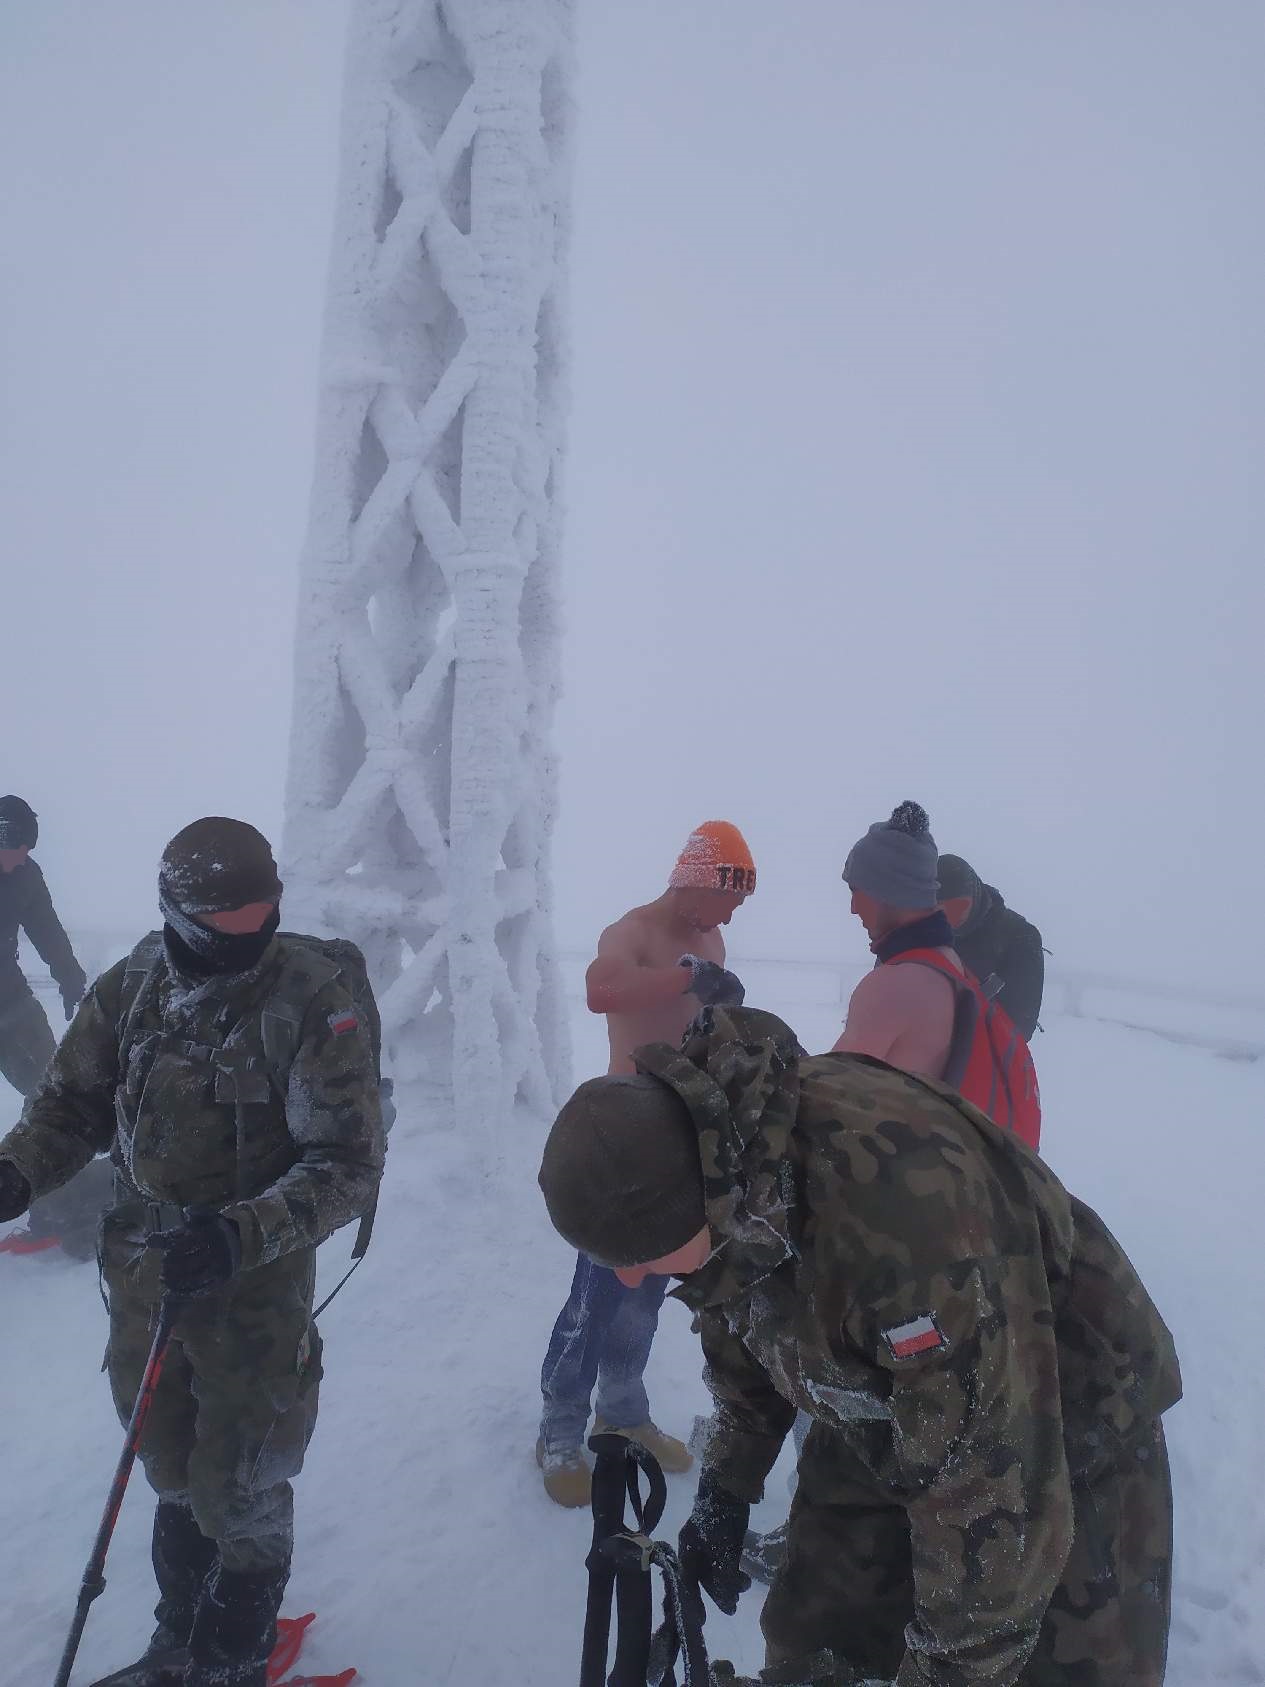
x,y
602,1337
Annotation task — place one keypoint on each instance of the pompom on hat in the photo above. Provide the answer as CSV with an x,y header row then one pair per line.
x,y
716,857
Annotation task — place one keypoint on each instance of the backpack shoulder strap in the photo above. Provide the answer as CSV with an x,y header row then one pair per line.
x,y
310,965
969,1004
304,973
140,972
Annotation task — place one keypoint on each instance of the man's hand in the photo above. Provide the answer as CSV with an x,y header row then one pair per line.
x,y
70,1000
199,1256
713,986
710,1544
15,1192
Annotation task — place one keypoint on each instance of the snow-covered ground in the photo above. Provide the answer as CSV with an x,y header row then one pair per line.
x,y
424,1540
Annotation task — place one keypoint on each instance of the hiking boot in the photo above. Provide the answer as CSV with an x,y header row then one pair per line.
x,y
183,1559
160,1667
568,1479
764,1555
673,1456
235,1628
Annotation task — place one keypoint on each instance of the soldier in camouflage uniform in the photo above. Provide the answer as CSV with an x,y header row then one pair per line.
x,y
984,1495
229,1074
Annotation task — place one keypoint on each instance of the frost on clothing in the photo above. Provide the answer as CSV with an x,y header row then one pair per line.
x,y
174,1078
849,1200
191,1117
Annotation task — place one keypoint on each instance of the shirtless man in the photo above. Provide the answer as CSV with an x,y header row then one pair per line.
x,y
904,1015
901,1014
655,968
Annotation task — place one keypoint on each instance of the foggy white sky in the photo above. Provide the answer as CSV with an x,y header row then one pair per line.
x,y
915,451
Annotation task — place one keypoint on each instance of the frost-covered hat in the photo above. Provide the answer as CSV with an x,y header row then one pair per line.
x,y
19,827
621,1173
716,857
215,864
896,862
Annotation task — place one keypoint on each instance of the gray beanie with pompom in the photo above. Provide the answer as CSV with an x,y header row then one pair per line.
x,y
896,862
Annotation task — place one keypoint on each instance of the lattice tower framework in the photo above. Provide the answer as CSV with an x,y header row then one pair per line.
x,y
422,787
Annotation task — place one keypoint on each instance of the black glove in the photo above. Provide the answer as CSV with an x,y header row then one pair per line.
x,y
199,1256
710,1544
15,1192
70,1000
713,986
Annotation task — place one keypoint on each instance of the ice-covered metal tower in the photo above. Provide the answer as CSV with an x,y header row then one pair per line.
x,y
421,788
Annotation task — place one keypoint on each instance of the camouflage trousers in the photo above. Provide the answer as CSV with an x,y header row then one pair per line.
x,y
847,1585
236,1404
26,1043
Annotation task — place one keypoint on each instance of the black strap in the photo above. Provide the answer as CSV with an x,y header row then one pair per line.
x,y
619,1565
361,1248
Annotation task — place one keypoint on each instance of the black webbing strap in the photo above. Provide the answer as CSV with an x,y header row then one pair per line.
x,y
357,1254
619,1565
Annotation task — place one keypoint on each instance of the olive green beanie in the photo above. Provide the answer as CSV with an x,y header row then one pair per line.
x,y
621,1174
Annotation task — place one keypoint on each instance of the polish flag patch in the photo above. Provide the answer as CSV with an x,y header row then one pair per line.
x,y
919,1335
341,1023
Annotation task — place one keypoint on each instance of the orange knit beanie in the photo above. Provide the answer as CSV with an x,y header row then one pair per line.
x,y
715,857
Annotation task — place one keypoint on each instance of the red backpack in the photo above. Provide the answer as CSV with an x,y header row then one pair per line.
x,y
989,1063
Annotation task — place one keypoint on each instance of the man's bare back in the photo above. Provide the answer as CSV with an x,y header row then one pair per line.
x,y
903,1015
637,980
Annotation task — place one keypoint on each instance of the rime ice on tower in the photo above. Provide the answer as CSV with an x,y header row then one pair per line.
x,y
422,784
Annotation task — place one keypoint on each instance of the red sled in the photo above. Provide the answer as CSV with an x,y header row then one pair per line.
x,y
22,1242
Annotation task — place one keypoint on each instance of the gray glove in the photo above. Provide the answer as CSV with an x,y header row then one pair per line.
x,y
713,986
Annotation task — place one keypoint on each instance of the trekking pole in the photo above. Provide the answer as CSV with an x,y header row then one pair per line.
x,y
93,1584
619,1566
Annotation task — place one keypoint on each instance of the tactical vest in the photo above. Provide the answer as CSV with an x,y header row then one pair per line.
x,y
203,1122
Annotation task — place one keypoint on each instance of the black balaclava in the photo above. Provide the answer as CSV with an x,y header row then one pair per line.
x,y
202,952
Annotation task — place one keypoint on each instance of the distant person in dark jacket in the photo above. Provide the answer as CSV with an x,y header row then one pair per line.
x,y
26,1042
1000,947
26,1039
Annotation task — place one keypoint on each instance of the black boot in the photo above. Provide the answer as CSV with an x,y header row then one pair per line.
x,y
183,1559
235,1628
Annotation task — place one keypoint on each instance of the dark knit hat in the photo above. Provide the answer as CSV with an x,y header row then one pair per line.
x,y
216,864
19,829
958,878
895,862
621,1174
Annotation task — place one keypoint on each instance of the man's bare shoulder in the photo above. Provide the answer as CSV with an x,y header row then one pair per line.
x,y
902,984
629,934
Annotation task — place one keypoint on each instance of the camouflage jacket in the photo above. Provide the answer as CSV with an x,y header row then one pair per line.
x,y
174,1081
892,1263
997,940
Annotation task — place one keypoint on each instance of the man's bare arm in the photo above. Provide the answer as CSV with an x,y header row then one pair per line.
x,y
619,981
872,1027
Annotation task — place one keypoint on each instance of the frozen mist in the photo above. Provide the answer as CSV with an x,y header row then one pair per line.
x,y
916,452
